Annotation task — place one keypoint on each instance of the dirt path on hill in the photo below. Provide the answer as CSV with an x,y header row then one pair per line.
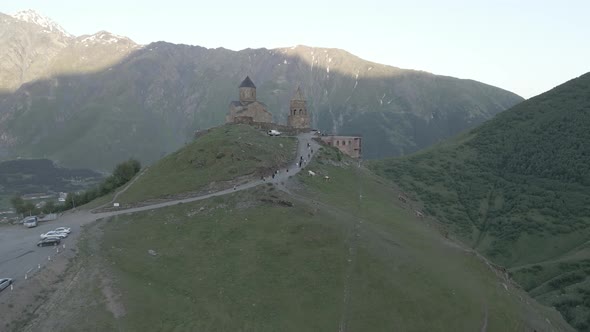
x,y
353,240
353,237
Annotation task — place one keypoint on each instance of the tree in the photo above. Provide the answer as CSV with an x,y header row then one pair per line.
x,y
49,207
29,209
125,171
18,204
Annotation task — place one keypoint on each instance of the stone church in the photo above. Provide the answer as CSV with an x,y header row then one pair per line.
x,y
248,109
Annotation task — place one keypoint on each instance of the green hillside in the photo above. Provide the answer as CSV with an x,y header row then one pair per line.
x,y
518,190
210,163
324,256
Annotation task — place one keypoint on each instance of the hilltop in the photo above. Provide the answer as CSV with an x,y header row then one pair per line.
x,y
517,189
304,254
224,156
107,94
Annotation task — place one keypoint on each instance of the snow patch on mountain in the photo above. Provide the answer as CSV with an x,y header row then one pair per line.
x,y
46,23
103,37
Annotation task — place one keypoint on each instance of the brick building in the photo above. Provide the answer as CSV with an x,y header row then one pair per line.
x,y
349,145
248,109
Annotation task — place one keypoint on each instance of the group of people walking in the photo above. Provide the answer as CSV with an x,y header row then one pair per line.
x,y
300,163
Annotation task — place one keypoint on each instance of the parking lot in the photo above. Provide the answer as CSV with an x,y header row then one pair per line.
x,y
19,254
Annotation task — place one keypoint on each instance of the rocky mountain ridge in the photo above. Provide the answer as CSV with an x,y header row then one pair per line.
x,y
35,47
33,17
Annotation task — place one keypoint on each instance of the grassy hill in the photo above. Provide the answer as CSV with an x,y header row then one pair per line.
x,y
324,256
211,161
518,190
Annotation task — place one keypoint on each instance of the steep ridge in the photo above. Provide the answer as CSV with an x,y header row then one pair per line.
x,y
153,100
517,189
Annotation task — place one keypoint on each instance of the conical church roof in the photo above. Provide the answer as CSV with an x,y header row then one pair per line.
x,y
247,83
298,94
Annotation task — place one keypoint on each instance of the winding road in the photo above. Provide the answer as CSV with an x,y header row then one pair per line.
x,y
19,253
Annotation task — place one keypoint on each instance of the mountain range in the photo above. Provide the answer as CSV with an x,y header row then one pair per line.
x,y
65,96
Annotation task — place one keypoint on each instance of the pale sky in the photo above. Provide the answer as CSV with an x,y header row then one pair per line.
x,y
523,46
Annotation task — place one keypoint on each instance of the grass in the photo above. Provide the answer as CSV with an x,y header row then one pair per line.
x,y
221,155
517,190
227,268
263,260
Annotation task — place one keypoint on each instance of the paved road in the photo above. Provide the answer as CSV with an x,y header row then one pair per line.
x,y
18,250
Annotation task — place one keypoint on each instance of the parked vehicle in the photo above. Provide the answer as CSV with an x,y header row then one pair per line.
x,y
273,132
62,230
4,283
30,222
60,235
49,241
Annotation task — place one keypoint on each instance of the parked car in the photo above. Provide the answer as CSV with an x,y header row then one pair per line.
x,y
5,282
62,230
60,235
30,222
49,241
274,132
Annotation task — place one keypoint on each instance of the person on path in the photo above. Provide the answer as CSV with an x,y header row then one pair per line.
x,y
234,187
